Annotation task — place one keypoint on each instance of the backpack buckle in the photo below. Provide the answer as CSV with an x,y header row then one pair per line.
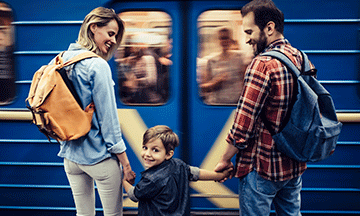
x,y
312,72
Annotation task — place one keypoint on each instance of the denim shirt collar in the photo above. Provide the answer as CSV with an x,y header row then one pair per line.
x,y
75,47
151,170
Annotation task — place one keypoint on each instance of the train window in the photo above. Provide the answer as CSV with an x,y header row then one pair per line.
x,y
144,58
222,56
7,62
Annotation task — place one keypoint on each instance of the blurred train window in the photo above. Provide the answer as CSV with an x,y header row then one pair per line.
x,y
7,62
222,56
144,58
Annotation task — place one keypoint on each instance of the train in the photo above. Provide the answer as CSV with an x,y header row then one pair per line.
x,y
32,179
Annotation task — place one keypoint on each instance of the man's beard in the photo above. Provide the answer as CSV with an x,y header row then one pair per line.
x,y
261,45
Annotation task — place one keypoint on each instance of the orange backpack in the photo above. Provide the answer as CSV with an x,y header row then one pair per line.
x,y
56,108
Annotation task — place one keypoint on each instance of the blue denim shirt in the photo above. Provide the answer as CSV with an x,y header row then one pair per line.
x,y
92,80
164,189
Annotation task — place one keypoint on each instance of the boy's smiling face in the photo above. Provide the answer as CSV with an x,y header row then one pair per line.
x,y
154,153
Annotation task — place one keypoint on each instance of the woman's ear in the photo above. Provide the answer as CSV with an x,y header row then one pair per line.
x,y
169,155
93,27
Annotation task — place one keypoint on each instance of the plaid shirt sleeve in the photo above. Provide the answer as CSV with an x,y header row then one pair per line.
x,y
256,90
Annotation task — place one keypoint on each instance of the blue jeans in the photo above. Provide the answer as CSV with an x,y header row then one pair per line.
x,y
256,195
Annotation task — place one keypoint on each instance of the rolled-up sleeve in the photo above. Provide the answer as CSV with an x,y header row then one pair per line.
x,y
131,194
195,173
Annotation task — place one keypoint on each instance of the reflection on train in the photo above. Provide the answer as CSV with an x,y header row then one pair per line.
x,y
7,64
143,60
222,57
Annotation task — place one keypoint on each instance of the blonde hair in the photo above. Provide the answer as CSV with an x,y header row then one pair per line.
x,y
169,139
101,17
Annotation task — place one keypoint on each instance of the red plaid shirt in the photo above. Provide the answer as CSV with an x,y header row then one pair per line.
x,y
266,82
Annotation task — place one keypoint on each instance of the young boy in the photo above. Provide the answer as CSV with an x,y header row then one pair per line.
x,y
164,185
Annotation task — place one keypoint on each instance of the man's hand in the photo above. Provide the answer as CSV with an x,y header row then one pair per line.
x,y
225,165
225,161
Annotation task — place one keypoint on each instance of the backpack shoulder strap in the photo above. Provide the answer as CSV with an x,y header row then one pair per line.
x,y
296,73
305,67
80,57
306,63
66,79
286,61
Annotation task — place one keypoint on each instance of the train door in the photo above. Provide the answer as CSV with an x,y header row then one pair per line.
x,y
150,28
218,59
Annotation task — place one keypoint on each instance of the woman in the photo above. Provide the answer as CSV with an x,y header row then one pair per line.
x,y
96,156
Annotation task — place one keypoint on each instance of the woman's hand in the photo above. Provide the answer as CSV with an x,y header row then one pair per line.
x,y
129,175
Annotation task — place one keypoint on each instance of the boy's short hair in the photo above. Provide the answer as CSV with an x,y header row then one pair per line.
x,y
169,139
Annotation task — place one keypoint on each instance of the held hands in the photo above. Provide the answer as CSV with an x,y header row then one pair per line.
x,y
129,176
226,168
226,173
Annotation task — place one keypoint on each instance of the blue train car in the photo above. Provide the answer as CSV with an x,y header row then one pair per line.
x,y
32,179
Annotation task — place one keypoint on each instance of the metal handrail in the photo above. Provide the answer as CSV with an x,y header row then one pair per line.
x,y
24,115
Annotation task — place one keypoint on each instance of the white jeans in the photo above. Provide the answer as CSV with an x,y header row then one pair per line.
x,y
107,175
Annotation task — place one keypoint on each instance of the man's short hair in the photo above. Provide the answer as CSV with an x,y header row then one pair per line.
x,y
265,11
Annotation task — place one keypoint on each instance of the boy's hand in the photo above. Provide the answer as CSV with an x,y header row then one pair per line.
x,y
226,168
228,172
129,176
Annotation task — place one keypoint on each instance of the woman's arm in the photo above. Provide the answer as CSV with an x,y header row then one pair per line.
x,y
129,175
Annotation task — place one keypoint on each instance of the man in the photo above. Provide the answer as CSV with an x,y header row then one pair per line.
x,y
266,175
224,75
